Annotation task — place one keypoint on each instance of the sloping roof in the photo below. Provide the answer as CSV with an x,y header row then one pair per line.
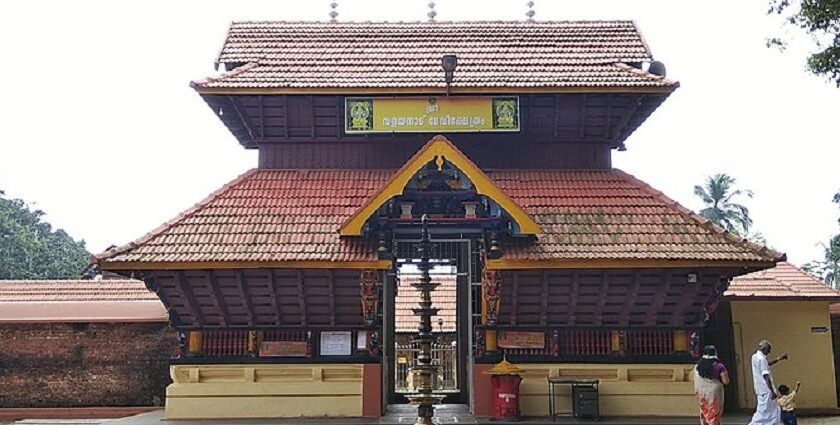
x,y
79,301
312,55
443,298
268,218
264,216
438,149
611,215
783,282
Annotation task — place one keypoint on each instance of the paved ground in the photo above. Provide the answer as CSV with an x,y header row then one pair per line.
x,y
155,418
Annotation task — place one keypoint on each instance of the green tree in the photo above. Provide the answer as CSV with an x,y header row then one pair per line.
x,y
821,20
718,193
30,249
828,268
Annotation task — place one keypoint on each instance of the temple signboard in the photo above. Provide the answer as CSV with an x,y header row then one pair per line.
x,y
283,349
431,114
514,339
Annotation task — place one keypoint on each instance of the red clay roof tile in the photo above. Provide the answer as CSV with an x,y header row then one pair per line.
x,y
289,215
79,301
783,282
407,55
443,298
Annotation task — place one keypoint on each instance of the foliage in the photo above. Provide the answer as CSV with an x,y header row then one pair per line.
x,y
828,269
718,194
821,20
30,249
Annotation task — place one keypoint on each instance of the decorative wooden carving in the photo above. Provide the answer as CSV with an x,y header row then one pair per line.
x,y
494,250
373,345
478,346
694,344
491,283
715,297
622,343
369,283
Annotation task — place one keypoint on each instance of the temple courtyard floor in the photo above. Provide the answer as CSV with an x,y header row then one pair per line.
x,y
156,417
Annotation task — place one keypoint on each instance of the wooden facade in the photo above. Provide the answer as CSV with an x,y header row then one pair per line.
x,y
558,131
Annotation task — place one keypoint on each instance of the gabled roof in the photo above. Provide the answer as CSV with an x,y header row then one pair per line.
x,y
312,56
122,300
438,149
784,282
291,218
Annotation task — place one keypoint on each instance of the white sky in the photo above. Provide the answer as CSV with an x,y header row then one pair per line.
x,y
99,128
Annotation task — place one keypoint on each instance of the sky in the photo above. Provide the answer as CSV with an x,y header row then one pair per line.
x,y
100,129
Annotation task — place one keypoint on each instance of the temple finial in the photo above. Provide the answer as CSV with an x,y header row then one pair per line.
x,y
432,12
530,13
333,12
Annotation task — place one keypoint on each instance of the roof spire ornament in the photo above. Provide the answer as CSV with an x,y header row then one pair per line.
x,y
333,12
432,12
530,13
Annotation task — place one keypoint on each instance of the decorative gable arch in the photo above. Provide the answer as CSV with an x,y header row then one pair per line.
x,y
440,150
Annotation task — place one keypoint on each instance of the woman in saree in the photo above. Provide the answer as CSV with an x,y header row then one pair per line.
x,y
710,376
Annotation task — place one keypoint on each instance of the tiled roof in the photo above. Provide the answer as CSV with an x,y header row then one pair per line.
x,y
294,215
408,54
609,214
265,215
443,298
79,301
783,282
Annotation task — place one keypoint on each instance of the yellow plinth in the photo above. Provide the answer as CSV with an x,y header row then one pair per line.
x,y
625,390
264,391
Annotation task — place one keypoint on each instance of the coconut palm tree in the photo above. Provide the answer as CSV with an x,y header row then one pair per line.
x,y
718,194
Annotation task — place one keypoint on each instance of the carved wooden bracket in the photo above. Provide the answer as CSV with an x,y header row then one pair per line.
x,y
369,289
491,285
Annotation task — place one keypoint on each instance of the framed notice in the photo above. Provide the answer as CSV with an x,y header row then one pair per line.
x,y
336,343
512,339
283,349
431,114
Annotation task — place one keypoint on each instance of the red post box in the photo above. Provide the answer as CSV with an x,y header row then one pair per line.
x,y
505,380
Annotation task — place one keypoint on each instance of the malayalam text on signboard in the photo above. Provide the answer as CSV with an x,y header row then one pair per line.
x,y
283,349
512,339
431,114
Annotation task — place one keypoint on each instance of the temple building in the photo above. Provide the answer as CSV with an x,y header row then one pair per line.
x,y
285,282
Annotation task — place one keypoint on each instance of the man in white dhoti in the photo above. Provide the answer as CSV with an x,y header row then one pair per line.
x,y
767,410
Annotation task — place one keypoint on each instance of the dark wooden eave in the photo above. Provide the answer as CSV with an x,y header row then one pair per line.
x,y
581,117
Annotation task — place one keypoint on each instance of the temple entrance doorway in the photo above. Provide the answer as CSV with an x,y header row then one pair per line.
x,y
457,266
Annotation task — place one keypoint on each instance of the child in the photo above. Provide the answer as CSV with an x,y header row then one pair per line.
x,y
787,402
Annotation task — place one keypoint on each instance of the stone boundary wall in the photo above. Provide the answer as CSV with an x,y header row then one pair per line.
x,y
84,364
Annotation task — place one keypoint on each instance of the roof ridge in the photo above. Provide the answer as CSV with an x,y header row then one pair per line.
x,y
761,251
625,67
183,215
232,73
437,22
642,37
224,43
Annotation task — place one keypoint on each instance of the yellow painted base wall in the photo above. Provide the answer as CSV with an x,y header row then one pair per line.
x,y
625,390
787,325
264,391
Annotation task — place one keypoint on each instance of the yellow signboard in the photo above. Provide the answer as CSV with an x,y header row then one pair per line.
x,y
431,114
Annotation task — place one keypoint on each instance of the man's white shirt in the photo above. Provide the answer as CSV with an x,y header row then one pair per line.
x,y
760,367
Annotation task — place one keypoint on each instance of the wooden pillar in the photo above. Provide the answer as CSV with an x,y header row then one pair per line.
x,y
195,344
